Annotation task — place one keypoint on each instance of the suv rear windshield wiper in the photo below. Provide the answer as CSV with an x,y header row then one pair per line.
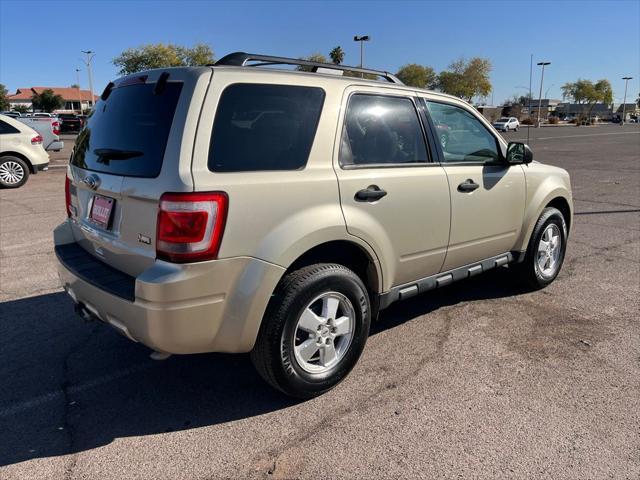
x,y
107,154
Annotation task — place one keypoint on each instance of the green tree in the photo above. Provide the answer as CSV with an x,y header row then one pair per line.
x,y
337,55
75,85
638,100
315,57
467,79
21,108
588,93
161,55
47,100
4,101
419,76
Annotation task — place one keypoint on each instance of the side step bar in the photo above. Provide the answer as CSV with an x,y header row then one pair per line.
x,y
442,279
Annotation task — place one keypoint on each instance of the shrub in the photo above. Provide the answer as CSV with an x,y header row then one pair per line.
x,y
553,120
527,121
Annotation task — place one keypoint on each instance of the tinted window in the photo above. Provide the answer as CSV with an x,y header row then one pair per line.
x,y
127,133
381,130
6,128
264,127
462,136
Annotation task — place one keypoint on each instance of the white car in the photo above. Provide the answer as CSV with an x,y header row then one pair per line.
x,y
21,153
507,123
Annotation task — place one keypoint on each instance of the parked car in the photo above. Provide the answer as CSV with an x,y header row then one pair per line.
x,y
11,114
192,230
70,122
21,153
505,124
48,128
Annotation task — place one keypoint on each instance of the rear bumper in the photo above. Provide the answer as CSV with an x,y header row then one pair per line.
x,y
214,306
39,167
55,146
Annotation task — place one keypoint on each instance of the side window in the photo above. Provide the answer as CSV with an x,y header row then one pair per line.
x,y
264,127
462,136
381,130
6,128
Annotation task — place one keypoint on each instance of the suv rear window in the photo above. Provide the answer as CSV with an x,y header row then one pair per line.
x,y
264,127
127,133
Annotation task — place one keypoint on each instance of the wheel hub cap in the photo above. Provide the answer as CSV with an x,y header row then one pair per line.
x,y
324,332
549,249
11,172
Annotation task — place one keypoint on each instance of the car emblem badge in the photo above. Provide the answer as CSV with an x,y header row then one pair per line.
x,y
144,239
92,181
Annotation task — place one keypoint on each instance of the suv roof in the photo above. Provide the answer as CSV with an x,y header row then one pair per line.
x,y
241,61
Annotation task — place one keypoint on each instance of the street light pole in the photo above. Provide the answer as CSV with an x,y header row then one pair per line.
x,y
540,96
624,102
79,93
361,39
90,54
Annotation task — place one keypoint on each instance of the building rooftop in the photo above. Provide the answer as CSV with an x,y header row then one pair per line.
x,y
67,93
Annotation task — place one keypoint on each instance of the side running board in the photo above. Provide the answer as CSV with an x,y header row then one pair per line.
x,y
442,279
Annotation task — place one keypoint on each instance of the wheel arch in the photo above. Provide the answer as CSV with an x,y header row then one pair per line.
x,y
559,198
19,155
349,253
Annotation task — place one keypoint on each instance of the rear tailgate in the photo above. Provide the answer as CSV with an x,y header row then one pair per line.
x,y
137,145
48,128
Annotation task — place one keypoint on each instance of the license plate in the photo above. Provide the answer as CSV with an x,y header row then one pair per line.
x,y
101,210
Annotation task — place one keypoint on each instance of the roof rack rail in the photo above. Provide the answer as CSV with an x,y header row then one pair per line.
x,y
240,59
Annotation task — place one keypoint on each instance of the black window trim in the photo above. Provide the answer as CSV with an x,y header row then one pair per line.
x,y
442,161
313,141
429,162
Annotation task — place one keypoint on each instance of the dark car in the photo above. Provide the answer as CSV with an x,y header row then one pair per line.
x,y
70,122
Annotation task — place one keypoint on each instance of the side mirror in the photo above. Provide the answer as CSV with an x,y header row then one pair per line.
x,y
518,152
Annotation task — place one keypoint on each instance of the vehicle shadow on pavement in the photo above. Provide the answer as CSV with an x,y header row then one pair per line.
x,y
69,387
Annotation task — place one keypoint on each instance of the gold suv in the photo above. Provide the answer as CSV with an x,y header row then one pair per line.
x,y
245,208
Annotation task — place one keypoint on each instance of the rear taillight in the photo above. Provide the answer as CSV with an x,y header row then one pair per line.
x,y
56,128
67,195
37,140
190,226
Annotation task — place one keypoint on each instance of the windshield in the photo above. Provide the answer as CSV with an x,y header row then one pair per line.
x,y
503,120
127,133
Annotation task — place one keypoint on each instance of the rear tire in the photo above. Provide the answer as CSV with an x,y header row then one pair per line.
x,y
14,172
546,250
314,330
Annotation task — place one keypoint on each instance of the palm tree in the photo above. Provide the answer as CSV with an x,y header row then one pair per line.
x,y
337,55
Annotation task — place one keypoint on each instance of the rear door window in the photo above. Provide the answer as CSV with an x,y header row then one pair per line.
x,y
5,128
264,127
381,130
127,133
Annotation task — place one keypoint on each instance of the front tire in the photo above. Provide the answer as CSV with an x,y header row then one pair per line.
x,y
546,250
314,330
14,172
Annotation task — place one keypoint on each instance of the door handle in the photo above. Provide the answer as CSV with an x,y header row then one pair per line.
x,y
370,194
467,186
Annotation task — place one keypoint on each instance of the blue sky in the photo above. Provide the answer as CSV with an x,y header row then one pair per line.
x,y
40,42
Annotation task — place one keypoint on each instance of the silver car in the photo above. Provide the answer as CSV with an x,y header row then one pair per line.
x,y
507,123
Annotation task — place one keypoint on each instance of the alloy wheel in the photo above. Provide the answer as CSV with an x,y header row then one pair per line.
x,y
549,250
324,332
11,173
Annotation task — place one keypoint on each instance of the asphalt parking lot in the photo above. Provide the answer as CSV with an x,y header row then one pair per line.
x,y
479,380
